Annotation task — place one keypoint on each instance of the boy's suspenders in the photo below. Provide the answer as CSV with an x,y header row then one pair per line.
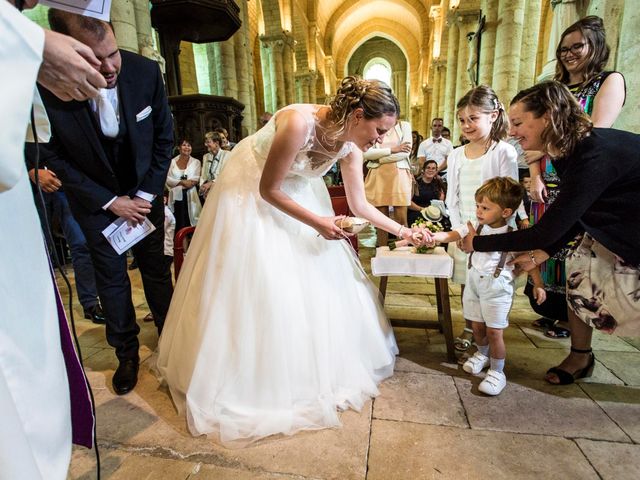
x,y
503,255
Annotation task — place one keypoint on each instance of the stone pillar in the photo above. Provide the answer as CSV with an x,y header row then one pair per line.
x,y
280,48
488,41
143,24
611,12
627,62
442,88
124,24
188,75
268,74
228,69
244,67
526,78
330,75
452,65
506,66
436,94
426,113
467,25
288,55
304,83
277,47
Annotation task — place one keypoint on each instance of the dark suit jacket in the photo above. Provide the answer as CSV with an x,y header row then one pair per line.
x,y
77,156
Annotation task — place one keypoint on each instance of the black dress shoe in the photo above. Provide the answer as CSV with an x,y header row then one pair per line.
x,y
125,377
95,314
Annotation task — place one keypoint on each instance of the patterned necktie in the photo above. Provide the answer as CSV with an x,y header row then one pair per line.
x,y
107,114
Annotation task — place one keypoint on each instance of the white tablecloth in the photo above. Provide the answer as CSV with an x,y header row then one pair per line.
x,y
403,262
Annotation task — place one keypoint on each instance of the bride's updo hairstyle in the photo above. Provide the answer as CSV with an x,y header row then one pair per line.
x,y
568,124
373,96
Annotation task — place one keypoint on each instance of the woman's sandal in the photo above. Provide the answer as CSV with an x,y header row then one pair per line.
x,y
557,331
462,344
543,323
566,378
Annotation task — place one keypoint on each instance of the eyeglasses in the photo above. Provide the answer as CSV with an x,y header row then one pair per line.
x,y
576,48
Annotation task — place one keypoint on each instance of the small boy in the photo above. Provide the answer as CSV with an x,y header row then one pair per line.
x,y
488,294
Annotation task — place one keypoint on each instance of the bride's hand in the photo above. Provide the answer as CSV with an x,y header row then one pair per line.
x,y
329,229
419,237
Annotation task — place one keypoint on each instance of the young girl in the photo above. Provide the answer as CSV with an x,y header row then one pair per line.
x,y
483,122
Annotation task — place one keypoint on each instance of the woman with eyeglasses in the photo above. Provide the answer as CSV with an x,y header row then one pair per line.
x,y
582,55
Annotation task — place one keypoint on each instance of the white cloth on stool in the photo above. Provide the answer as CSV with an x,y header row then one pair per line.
x,y
403,261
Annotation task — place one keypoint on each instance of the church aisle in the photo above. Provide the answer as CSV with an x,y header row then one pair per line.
x,y
430,421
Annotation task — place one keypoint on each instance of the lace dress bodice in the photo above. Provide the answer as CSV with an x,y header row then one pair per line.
x,y
313,160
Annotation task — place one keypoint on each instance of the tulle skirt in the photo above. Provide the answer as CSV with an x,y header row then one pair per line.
x,y
272,329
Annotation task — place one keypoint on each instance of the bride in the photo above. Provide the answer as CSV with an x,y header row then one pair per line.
x,y
273,326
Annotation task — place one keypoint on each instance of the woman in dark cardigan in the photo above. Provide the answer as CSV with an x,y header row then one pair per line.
x,y
600,195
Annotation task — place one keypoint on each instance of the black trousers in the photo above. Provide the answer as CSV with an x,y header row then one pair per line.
x,y
554,307
114,286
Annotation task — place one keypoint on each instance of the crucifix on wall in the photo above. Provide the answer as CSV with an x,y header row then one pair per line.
x,y
473,41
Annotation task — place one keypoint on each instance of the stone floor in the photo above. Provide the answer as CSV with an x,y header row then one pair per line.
x,y
429,421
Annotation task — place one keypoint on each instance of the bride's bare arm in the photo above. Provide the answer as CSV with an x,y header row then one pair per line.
x,y
351,169
290,136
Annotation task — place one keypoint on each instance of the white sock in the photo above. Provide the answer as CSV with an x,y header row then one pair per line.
x,y
484,349
497,364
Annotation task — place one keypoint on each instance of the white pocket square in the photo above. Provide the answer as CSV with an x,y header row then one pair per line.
x,y
143,114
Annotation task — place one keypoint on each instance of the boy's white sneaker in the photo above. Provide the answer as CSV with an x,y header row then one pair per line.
x,y
493,383
476,363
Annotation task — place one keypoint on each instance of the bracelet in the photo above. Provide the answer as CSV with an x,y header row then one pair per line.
x,y
400,230
532,257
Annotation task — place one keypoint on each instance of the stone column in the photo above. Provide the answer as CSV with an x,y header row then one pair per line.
x,y
611,12
268,75
488,41
442,88
124,24
530,39
143,24
467,25
508,41
243,67
330,75
277,47
288,53
627,62
228,69
452,65
436,83
303,82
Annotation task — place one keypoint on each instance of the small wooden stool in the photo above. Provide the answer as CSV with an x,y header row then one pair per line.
x,y
437,265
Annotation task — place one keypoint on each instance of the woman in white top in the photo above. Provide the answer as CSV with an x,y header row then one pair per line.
x,y
182,180
389,182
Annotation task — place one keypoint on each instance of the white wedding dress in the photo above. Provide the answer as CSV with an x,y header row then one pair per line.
x,y
272,329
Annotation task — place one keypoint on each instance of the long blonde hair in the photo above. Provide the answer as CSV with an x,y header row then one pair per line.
x,y
373,96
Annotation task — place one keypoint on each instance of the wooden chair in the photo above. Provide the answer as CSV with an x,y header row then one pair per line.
x,y
180,245
341,207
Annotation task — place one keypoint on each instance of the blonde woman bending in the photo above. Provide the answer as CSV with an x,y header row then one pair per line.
x,y
274,327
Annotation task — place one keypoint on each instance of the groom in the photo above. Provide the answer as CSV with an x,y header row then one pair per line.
x,y
112,154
